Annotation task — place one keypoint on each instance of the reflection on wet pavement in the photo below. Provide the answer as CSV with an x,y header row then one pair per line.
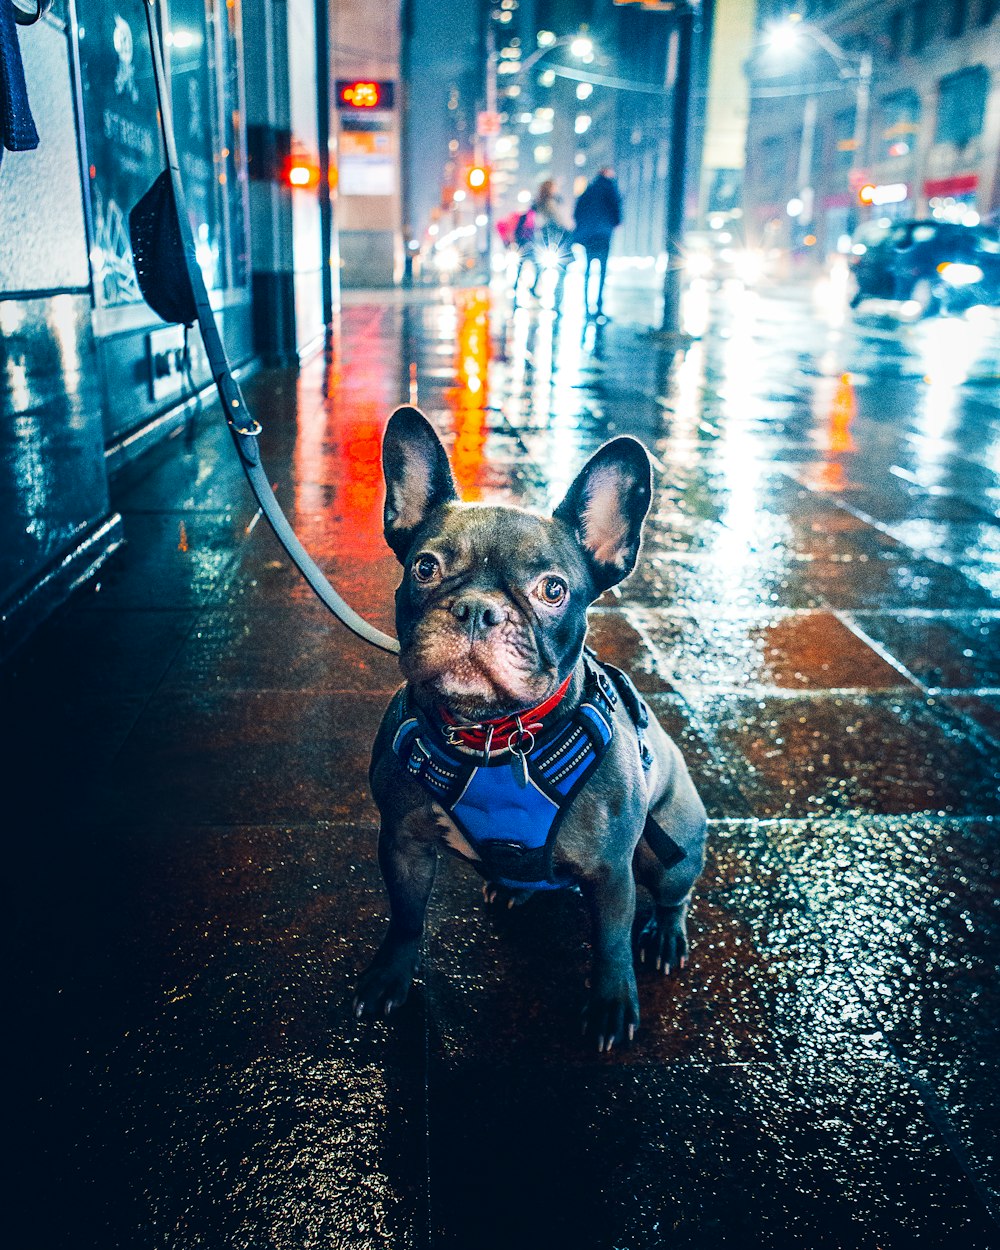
x,y
815,620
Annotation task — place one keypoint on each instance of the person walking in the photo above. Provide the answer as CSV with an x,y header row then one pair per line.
x,y
598,214
551,244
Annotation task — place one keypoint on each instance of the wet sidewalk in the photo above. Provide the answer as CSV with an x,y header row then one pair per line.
x,y
816,620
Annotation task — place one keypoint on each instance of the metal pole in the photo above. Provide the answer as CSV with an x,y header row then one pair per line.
x,y
861,110
680,108
322,15
804,173
489,148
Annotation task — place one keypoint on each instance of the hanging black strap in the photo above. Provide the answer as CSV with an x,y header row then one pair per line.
x,y
244,429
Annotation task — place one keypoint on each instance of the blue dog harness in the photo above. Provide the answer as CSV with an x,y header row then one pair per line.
x,y
509,804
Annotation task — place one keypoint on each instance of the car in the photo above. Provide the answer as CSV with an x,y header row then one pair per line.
x,y
720,256
938,266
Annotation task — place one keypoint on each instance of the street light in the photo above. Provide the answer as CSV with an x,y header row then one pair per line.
x,y
580,46
786,37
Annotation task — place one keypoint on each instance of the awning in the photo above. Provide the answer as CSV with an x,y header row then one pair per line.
x,y
957,184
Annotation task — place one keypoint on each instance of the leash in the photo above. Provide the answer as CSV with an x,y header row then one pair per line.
x,y
245,430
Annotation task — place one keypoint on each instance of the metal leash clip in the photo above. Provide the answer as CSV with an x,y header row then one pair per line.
x,y
519,748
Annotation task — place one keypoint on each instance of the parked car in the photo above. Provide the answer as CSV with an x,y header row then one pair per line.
x,y
940,266
720,256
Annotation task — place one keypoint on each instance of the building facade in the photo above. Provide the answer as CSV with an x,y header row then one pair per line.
x,y
878,110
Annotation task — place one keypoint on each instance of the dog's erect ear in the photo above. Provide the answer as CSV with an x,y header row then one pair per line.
x,y
417,477
605,507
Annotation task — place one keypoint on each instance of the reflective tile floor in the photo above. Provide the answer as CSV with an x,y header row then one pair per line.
x,y
815,619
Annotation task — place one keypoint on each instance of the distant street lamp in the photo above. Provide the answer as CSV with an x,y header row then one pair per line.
x,y
786,37
580,46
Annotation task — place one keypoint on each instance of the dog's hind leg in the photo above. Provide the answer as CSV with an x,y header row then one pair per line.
x,y
662,942
668,866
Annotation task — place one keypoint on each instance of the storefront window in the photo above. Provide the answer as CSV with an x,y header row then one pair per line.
x,y
900,123
124,145
843,142
962,106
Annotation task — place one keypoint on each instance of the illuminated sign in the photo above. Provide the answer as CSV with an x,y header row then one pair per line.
x,y
888,193
364,93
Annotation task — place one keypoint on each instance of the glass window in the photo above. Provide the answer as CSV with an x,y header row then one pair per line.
x,y
843,141
900,117
894,30
123,140
921,29
962,106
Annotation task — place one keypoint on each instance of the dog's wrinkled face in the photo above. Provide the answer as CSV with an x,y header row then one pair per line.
x,y
491,612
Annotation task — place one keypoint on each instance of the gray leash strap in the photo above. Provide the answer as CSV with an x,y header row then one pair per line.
x,y
243,428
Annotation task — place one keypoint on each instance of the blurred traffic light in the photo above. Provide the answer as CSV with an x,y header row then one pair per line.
x,y
365,94
302,173
477,179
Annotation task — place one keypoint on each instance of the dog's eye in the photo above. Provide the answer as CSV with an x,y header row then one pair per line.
x,y
552,590
425,568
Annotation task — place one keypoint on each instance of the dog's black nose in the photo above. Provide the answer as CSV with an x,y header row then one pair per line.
x,y
476,612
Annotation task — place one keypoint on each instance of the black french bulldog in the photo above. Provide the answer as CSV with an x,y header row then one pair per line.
x,y
510,744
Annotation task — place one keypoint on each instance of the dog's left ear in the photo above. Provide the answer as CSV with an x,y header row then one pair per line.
x,y
417,477
606,506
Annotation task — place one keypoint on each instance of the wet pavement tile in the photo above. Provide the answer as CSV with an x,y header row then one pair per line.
x,y
791,651
952,542
365,574
892,753
262,756
74,692
168,560
956,651
616,640
896,507
981,709
745,580
196,1076
909,907
760,1059
194,471
714,779
887,584
300,647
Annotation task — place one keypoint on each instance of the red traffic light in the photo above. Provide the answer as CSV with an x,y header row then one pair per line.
x,y
477,178
364,93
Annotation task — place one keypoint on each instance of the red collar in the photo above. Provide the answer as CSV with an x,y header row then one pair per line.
x,y
506,733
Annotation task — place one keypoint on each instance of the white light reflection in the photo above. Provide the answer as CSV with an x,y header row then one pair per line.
x,y
63,324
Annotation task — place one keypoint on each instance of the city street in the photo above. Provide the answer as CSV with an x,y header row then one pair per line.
x,y
815,618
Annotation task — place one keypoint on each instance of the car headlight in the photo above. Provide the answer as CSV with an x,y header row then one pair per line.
x,y
698,264
549,257
960,275
748,265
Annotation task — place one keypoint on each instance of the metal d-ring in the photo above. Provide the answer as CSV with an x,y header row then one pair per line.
x,y
520,748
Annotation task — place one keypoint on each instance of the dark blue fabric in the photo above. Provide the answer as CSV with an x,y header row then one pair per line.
x,y
511,827
598,212
17,126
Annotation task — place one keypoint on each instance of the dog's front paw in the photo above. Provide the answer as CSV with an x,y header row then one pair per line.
x,y
663,943
611,1016
386,982
502,896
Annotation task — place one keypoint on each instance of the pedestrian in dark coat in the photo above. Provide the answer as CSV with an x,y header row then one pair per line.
x,y
598,214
